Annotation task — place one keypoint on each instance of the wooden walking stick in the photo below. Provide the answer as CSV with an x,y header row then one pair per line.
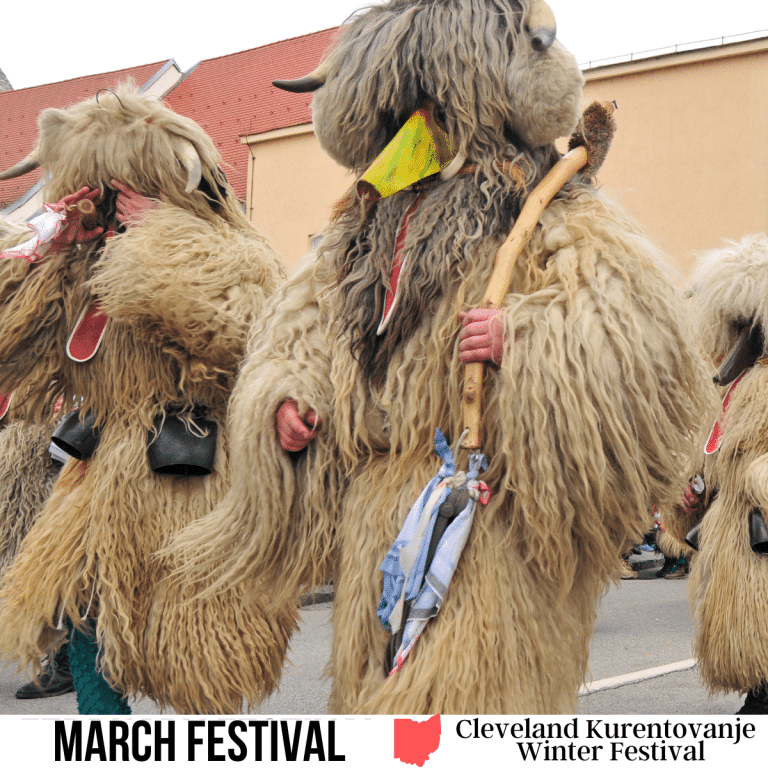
x,y
587,151
87,209
588,147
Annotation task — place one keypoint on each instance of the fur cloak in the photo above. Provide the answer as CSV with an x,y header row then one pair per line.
x,y
672,547
586,422
180,289
27,475
729,581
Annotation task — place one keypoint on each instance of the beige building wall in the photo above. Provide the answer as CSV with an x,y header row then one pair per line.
x,y
689,159
292,187
690,155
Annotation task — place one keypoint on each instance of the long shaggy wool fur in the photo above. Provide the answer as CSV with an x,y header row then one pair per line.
x,y
587,423
596,397
729,582
27,475
468,57
181,289
672,546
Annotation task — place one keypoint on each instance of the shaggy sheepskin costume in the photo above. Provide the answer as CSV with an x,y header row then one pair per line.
x,y
729,579
670,546
597,395
27,475
181,289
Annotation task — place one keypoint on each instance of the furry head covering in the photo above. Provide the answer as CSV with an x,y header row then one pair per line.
x,y
135,138
521,91
730,292
395,56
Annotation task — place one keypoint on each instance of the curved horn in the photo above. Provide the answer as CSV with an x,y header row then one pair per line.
x,y
541,25
29,163
453,167
307,84
191,161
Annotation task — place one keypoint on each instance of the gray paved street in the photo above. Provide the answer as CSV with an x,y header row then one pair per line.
x,y
643,624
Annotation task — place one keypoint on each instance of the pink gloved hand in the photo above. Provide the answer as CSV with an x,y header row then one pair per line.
x,y
482,336
73,230
132,206
294,432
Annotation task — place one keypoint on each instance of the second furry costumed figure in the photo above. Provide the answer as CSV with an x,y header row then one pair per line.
x,y
724,510
29,466
144,331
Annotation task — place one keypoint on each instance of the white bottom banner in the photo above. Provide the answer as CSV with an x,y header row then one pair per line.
x,y
386,741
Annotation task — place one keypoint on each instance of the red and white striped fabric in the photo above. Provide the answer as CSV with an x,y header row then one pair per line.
x,y
716,435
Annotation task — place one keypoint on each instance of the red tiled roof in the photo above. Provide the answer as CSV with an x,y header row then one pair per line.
x,y
229,96
19,110
233,95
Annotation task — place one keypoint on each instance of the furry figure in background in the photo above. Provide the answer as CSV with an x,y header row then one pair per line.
x,y
593,387
28,471
677,554
144,329
27,474
724,511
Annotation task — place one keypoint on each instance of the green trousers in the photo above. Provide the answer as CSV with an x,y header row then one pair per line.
x,y
94,694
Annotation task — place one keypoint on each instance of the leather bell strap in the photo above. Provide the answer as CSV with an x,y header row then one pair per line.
x,y
716,435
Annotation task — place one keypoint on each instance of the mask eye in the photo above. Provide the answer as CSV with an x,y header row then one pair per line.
x,y
540,26
542,38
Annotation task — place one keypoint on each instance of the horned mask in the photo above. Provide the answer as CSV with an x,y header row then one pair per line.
x,y
518,85
127,136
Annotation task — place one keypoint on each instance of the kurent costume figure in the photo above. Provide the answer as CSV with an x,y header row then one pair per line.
x,y
29,466
592,391
677,554
27,475
143,331
724,512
